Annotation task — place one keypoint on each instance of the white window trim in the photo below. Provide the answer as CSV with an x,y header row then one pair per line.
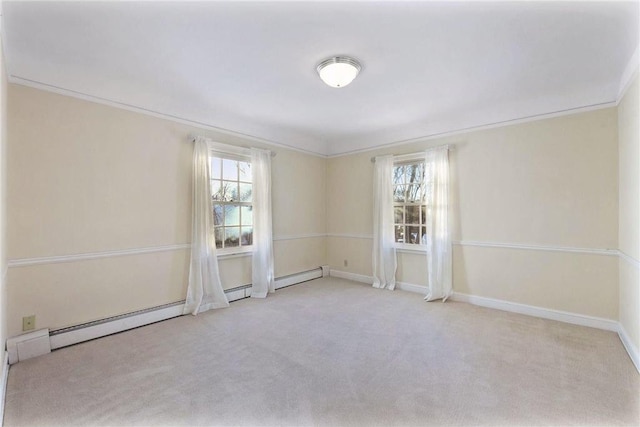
x,y
232,152
398,160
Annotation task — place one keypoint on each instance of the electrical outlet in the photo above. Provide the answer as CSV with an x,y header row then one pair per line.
x,y
346,263
29,323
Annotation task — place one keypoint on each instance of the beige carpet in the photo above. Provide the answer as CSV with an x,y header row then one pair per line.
x,y
332,352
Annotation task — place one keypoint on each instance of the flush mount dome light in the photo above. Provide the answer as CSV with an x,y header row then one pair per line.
x,y
338,71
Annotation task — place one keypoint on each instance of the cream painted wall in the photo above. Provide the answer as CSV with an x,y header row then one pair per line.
x,y
85,178
629,223
551,182
3,199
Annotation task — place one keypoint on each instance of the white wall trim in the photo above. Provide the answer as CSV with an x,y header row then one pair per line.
x,y
73,335
3,384
23,262
535,311
481,127
593,251
628,74
351,276
632,350
350,236
629,259
298,236
140,110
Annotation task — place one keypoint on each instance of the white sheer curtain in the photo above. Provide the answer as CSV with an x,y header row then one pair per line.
x,y
262,263
205,289
439,263
384,252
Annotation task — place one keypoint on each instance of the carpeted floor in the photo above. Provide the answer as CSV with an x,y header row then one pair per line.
x,y
334,353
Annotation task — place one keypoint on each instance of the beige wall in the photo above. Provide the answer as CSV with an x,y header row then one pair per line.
x,y
629,223
86,178
551,183
3,199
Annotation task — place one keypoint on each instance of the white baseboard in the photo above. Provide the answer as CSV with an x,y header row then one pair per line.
x,y
529,310
535,311
76,335
3,384
351,276
632,350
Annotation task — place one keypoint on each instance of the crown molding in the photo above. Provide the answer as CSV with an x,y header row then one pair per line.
x,y
629,73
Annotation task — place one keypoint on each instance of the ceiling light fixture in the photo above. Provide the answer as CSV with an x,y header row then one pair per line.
x,y
338,71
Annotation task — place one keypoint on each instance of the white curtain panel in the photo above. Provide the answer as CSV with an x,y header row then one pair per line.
x,y
384,252
262,275
205,289
439,253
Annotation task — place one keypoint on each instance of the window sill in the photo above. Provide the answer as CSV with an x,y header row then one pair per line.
x,y
420,249
234,252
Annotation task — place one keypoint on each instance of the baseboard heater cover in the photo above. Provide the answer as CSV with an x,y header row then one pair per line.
x,y
87,331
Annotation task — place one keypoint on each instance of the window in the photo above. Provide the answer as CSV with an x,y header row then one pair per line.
x,y
232,201
409,202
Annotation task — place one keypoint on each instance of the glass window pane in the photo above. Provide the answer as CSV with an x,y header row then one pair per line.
x,y
412,215
216,167
231,236
229,169
216,190
218,232
423,238
399,231
423,215
397,214
229,191
246,215
245,171
247,236
414,173
413,193
413,235
398,193
217,214
398,175
245,192
231,215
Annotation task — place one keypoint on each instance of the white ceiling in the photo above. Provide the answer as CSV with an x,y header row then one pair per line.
x,y
428,67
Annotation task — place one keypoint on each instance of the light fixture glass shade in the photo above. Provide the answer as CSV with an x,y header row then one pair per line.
x,y
338,71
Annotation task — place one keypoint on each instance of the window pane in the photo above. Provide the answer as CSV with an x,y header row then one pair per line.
x,y
414,173
412,215
245,171
231,236
423,210
216,168
231,215
217,214
399,233
398,175
398,193
413,235
229,169
413,193
246,215
216,192
245,192
218,232
247,236
423,238
397,214
229,191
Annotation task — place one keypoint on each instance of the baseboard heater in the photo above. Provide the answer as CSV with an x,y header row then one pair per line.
x,y
40,342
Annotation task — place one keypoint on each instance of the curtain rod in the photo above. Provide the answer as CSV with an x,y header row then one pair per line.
x,y
193,138
411,155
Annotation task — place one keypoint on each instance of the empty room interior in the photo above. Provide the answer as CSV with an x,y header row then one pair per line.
x,y
320,213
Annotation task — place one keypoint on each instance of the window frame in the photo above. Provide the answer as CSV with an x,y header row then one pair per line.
x,y
403,160
238,154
